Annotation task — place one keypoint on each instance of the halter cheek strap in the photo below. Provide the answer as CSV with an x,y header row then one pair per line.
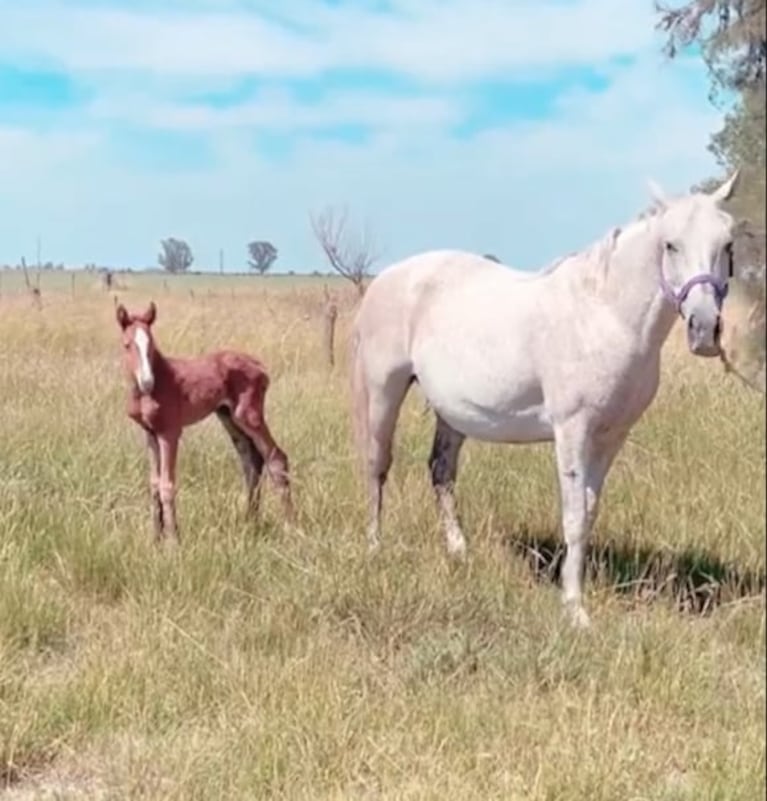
x,y
677,297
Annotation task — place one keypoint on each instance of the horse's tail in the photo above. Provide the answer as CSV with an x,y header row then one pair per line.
x,y
359,395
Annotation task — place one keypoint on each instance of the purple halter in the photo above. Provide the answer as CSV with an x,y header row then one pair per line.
x,y
678,297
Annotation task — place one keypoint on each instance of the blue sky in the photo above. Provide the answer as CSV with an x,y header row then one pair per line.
x,y
525,128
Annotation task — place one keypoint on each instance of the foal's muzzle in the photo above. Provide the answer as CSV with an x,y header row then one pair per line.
x,y
145,383
704,335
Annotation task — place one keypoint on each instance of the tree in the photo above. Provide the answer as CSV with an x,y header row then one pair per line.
x,y
350,255
176,255
741,143
262,256
731,34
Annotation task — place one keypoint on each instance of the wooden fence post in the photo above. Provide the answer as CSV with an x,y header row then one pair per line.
x,y
330,315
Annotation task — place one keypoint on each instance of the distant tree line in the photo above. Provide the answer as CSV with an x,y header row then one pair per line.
x,y
176,255
351,254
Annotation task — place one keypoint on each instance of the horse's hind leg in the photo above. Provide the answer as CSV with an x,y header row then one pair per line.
x,y
376,408
443,465
251,461
248,415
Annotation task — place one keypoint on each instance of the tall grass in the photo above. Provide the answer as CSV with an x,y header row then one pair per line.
x,y
255,664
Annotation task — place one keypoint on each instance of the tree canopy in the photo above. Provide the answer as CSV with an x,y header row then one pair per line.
x,y
176,255
731,36
262,256
732,39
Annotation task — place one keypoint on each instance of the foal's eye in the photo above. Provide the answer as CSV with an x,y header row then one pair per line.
x,y
671,247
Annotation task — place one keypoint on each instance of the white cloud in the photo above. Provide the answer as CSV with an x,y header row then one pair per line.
x,y
277,110
433,40
528,191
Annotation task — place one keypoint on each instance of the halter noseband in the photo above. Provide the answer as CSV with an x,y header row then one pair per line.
x,y
677,297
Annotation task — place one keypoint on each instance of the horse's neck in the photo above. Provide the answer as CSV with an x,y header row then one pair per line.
x,y
632,287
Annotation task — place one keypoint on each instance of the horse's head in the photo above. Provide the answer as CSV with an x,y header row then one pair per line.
x,y
696,262
138,345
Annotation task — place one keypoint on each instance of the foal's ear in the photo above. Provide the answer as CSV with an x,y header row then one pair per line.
x,y
150,314
123,318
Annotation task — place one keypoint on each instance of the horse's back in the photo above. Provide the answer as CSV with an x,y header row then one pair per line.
x,y
402,287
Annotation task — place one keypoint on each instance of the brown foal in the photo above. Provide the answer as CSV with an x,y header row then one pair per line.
x,y
168,394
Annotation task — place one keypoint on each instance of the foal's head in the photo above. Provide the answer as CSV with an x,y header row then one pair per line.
x,y
138,345
697,261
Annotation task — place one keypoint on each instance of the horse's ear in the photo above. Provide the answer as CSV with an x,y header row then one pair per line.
x,y
726,190
657,194
123,318
150,315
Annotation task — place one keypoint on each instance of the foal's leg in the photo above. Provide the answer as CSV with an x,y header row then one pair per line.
x,y
154,484
250,419
168,450
251,461
574,467
443,464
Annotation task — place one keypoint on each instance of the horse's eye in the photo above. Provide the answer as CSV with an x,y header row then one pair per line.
x,y
671,247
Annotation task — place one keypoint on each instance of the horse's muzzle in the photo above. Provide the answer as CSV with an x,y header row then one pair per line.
x,y
704,336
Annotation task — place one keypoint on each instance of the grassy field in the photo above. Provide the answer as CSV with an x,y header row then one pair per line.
x,y
259,664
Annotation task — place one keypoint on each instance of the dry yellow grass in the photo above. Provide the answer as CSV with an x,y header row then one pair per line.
x,y
255,664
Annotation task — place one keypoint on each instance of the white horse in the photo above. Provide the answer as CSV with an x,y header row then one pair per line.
x,y
570,354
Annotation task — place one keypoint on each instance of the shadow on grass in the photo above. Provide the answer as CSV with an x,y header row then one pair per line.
x,y
16,769
696,581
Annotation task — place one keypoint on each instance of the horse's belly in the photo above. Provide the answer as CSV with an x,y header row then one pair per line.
x,y
520,425
487,410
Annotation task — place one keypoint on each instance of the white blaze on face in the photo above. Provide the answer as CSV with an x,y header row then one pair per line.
x,y
144,375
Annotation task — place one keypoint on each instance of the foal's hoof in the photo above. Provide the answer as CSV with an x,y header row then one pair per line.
x,y
293,527
170,543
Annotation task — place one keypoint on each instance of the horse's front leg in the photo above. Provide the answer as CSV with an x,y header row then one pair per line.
x,y
575,466
168,443
154,484
443,465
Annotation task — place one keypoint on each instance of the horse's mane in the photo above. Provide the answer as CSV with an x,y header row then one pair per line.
x,y
603,246
598,254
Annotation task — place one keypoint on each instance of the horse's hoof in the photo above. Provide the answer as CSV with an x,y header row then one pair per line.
x,y
456,550
579,618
